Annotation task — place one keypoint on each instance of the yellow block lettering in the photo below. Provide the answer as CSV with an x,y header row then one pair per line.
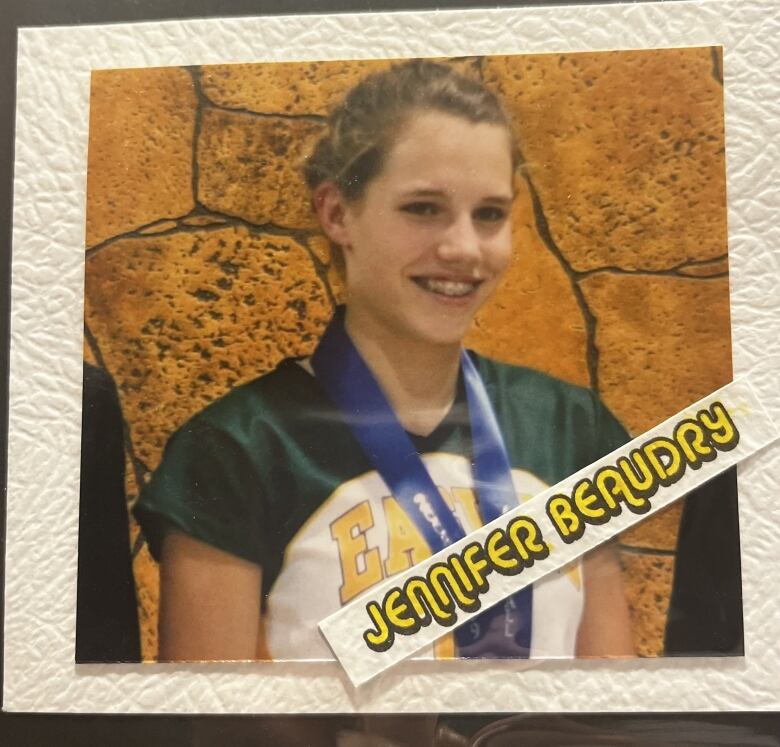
x,y
476,563
722,430
565,520
416,588
587,501
612,486
665,459
498,550
457,564
692,440
349,533
395,609
439,575
637,472
527,545
382,638
405,545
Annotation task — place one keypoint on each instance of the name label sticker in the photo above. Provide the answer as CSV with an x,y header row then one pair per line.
x,y
405,613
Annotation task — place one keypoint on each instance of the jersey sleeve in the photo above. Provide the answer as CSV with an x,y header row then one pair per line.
x,y
610,433
207,488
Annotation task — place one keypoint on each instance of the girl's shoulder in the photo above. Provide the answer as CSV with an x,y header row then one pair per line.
x,y
525,392
279,395
514,380
566,425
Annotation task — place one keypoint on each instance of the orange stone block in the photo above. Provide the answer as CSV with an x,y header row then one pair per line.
x,y
626,150
290,88
663,341
251,167
706,270
295,88
658,532
141,126
648,580
534,318
183,318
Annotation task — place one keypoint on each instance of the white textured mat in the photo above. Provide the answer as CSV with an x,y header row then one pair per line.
x,y
46,362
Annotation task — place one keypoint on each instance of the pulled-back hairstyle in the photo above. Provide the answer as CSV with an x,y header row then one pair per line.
x,y
362,127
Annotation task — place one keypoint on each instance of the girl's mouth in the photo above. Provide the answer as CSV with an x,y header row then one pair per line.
x,y
448,288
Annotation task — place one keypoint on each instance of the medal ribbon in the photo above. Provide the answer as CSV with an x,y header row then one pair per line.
x,y
352,387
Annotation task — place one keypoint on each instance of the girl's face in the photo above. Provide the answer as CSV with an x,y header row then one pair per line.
x,y
430,238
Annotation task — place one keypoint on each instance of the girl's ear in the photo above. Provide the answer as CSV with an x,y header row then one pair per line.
x,y
330,206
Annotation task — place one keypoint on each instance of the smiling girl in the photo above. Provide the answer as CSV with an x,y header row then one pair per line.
x,y
297,492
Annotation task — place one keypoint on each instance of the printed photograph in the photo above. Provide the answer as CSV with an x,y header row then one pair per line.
x,y
340,314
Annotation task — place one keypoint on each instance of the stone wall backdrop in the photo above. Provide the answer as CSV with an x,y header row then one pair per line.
x,y
205,267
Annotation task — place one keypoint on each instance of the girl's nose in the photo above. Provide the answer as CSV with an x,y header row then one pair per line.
x,y
460,242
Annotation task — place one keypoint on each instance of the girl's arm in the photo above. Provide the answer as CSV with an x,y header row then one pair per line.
x,y
209,602
605,628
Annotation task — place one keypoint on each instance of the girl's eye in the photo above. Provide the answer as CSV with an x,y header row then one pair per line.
x,y
490,214
421,208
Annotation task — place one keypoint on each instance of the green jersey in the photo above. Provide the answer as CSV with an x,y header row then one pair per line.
x,y
271,473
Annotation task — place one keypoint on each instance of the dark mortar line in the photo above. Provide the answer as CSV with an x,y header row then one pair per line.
x,y
318,118
698,262
201,99
714,276
669,272
481,67
717,70
94,347
636,550
138,233
227,220
140,541
139,468
321,270
543,228
300,235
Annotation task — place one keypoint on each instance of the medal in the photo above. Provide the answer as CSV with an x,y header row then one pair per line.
x,y
503,630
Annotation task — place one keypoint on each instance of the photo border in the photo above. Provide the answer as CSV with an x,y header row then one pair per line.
x,y
45,384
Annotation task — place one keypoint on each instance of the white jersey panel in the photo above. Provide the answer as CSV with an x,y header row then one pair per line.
x,y
360,535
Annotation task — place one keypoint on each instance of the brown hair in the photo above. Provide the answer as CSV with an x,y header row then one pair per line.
x,y
361,128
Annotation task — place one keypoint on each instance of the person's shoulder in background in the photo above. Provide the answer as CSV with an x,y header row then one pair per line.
x,y
705,610
106,610
542,411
